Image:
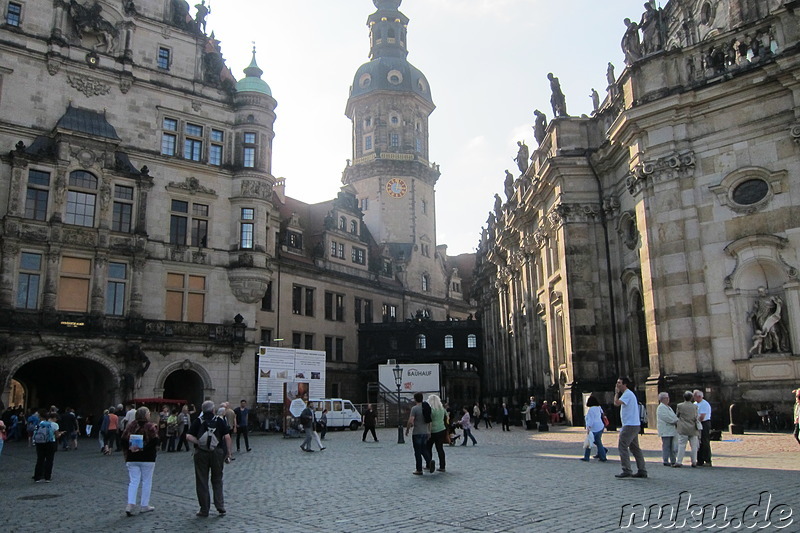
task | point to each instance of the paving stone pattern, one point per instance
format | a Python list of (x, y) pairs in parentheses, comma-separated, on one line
[(517, 481)]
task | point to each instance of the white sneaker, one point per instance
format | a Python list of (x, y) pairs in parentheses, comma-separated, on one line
[(147, 509)]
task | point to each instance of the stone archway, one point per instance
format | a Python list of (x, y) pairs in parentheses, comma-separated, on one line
[(87, 381), (187, 378)]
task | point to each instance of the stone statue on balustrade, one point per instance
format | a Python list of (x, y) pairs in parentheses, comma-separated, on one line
[(770, 333), (631, 44), (522, 156), (557, 100), (540, 126), (653, 31)]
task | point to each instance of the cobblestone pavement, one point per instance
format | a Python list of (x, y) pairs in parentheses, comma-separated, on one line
[(517, 481)]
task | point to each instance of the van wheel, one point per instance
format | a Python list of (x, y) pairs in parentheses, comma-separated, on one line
[(353, 426)]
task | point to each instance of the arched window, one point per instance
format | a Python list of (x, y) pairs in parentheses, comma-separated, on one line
[(472, 341), (353, 227), (81, 203), (425, 283), (448, 341), (342, 223), (422, 342)]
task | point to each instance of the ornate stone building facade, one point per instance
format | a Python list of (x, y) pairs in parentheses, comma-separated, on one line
[(146, 249), (659, 238)]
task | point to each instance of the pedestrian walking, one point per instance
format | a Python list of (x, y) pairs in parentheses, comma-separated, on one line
[(419, 436), (307, 421), (184, 421), (45, 438), (667, 425), (476, 415), (466, 427), (242, 417), (704, 415), (594, 429), (207, 433), (140, 446), (368, 419), (323, 424), (486, 418), (438, 429), (687, 428), (629, 432), (172, 429)]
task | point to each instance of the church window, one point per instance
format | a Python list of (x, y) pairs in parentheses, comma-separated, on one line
[(215, 148), (246, 231), (192, 142), (14, 14), (122, 214), (249, 152), (368, 142), (395, 120), (448, 341), (28, 281), (422, 342), (81, 203), (358, 255), (418, 144), (750, 192), (394, 140), (37, 195), (169, 141), (164, 57), (115, 288), (425, 283), (368, 122)]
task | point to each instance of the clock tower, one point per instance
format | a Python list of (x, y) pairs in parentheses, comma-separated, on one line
[(389, 105)]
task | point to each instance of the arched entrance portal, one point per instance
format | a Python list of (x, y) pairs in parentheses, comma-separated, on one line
[(184, 385), (83, 384)]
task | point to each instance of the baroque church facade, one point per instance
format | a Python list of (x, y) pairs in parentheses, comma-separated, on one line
[(146, 248), (658, 238)]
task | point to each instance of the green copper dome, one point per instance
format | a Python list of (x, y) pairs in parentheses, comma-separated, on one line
[(252, 82)]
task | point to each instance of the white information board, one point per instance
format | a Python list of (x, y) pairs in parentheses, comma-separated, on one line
[(416, 378), (277, 366)]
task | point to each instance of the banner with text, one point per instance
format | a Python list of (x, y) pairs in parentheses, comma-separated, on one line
[(277, 366)]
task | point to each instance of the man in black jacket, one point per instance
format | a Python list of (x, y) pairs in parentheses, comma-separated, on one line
[(209, 456)]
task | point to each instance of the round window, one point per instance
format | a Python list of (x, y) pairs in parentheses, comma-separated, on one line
[(395, 77), (750, 192), (365, 81)]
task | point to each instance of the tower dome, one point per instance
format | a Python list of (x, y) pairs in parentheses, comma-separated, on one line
[(252, 81)]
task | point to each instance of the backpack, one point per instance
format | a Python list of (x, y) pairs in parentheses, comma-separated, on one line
[(426, 412), (43, 432), (208, 435)]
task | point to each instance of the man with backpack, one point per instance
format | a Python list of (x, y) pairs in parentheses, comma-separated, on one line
[(211, 436), (44, 438)]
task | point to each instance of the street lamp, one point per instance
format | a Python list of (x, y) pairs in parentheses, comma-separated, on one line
[(398, 379)]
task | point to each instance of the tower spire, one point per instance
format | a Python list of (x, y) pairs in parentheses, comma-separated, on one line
[(387, 30)]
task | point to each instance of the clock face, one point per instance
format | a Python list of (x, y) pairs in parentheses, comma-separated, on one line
[(396, 188)]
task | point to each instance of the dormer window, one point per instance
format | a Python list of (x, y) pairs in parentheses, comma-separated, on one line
[(342, 223), (353, 227)]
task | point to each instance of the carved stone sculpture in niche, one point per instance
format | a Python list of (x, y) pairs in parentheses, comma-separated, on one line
[(88, 21), (770, 335)]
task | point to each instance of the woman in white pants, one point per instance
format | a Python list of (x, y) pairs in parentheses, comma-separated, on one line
[(687, 428), (140, 445)]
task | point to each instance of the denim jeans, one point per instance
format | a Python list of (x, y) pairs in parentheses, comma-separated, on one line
[(421, 450), (601, 450), (140, 472), (669, 449), (468, 433)]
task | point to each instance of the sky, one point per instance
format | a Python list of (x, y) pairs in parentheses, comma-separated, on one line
[(486, 61)]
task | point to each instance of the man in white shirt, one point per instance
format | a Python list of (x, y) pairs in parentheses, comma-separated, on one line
[(704, 415), (629, 432), (130, 416)]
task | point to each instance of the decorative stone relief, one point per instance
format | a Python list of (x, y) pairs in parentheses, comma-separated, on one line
[(191, 185), (248, 284), (88, 86), (255, 189), (669, 167), (795, 132), (68, 349)]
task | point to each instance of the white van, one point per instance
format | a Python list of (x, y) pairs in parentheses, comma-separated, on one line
[(341, 413)]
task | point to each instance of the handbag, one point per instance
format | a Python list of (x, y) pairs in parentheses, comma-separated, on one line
[(699, 425), (604, 418)]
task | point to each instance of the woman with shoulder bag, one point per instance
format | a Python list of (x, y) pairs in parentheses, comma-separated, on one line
[(594, 429), (140, 446), (438, 430)]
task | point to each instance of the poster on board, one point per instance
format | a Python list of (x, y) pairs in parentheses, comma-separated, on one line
[(422, 378), (277, 366)]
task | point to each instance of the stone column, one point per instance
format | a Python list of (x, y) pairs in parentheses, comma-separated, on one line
[(137, 275), (99, 278), (51, 279), (9, 258)]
